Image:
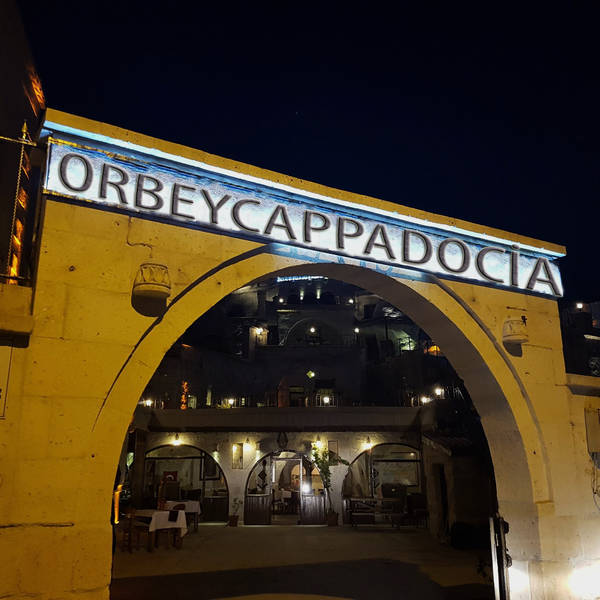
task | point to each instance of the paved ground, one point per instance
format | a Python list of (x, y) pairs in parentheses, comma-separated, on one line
[(301, 563)]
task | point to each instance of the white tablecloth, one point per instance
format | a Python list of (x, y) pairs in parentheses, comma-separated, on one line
[(160, 520), (191, 506)]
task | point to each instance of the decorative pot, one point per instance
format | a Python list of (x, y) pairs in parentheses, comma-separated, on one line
[(233, 520)]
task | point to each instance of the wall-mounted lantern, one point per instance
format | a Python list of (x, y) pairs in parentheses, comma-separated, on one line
[(151, 288), (514, 331)]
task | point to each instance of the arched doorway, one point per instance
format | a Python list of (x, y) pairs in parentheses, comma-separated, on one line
[(183, 472), (390, 472), (89, 354), (500, 396), (284, 488)]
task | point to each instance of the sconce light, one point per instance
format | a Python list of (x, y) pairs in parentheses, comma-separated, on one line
[(318, 444), (313, 330), (438, 392), (176, 441), (425, 399), (326, 399), (356, 330), (368, 444), (247, 445), (310, 374), (514, 331)]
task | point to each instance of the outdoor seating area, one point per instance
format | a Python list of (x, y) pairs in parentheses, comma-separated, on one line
[(410, 510), (170, 521)]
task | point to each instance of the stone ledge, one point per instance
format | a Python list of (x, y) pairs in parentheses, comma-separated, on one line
[(287, 419), (15, 311), (583, 385)]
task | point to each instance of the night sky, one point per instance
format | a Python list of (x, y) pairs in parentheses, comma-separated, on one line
[(491, 117)]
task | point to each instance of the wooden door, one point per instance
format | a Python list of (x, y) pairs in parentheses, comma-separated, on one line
[(312, 510), (257, 509)]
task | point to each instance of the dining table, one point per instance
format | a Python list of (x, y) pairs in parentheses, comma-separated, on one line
[(192, 508), (159, 520)]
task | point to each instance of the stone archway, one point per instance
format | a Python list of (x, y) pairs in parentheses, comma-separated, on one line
[(465, 320), (499, 395)]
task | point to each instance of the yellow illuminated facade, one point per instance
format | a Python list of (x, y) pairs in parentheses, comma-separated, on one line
[(73, 387)]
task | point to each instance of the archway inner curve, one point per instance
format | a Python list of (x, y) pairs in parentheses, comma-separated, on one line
[(465, 344)]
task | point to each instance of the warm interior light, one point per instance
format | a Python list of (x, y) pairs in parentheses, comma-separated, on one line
[(318, 444), (583, 581), (116, 499), (434, 349), (234, 448), (183, 399), (259, 330), (281, 300), (356, 330), (176, 441), (326, 399), (579, 305), (438, 391), (148, 402), (312, 330), (425, 400), (306, 488), (230, 401), (351, 301), (23, 197)]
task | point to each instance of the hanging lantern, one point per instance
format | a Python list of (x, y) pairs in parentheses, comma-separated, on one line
[(152, 281), (514, 331)]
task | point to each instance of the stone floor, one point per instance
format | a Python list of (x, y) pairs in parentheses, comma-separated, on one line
[(302, 563)]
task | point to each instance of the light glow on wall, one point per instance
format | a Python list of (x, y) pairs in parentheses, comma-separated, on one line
[(518, 578), (584, 582)]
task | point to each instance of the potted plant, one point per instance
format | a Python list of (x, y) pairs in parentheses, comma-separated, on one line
[(236, 504), (323, 462)]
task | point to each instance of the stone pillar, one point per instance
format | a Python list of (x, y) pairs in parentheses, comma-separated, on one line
[(137, 477)]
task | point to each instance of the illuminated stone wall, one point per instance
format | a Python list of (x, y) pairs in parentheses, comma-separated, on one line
[(73, 389)]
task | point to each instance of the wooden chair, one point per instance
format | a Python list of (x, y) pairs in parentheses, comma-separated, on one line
[(131, 529), (177, 538)]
